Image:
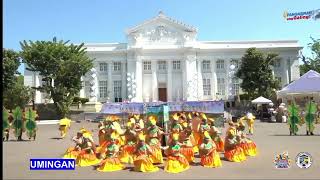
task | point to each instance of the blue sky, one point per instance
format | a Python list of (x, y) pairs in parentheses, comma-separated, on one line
[(106, 20)]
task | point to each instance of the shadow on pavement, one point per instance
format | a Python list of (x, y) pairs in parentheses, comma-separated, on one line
[(56, 138)]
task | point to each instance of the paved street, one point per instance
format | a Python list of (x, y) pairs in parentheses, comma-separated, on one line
[(270, 139)]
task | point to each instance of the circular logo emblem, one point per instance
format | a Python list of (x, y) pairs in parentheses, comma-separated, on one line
[(304, 160)]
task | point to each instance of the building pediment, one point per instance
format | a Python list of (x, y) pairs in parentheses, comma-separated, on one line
[(161, 30)]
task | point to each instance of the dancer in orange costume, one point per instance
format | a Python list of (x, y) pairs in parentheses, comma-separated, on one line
[(249, 147), (126, 155), (233, 152), (153, 135), (209, 156), (176, 161), (187, 139), (111, 161), (142, 160)]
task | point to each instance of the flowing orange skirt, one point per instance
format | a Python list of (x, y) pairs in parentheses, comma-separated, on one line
[(212, 160), (110, 164), (176, 164), (220, 145), (156, 156), (235, 155), (126, 155), (71, 153), (188, 152), (249, 148), (144, 164)]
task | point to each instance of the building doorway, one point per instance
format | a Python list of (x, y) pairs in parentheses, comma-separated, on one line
[(162, 92)]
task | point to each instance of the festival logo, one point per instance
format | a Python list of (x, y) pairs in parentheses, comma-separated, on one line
[(282, 161), (290, 16), (304, 160)]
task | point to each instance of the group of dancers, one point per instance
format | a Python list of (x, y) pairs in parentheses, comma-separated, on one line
[(139, 144)]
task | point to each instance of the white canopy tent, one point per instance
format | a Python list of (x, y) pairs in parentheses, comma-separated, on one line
[(261, 100), (306, 85)]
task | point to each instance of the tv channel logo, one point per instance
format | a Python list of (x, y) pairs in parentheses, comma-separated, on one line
[(304, 160), (282, 161), (52, 164)]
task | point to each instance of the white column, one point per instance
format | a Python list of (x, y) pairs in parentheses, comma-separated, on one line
[(214, 89), (110, 82), (36, 81), (191, 83), (169, 80), (123, 81), (184, 80), (82, 93), (138, 97), (155, 96), (200, 81), (228, 79)]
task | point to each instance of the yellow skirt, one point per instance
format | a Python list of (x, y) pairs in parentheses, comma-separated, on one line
[(63, 131), (188, 152), (249, 148), (211, 161), (110, 164), (156, 156), (235, 155), (176, 164), (144, 164), (126, 155), (71, 153), (87, 159)]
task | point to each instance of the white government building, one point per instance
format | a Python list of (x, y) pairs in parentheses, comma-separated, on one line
[(163, 61)]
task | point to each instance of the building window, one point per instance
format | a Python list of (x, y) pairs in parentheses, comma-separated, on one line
[(117, 91), (103, 67), (147, 65), (235, 62), (117, 66), (277, 64), (220, 64), (221, 86), (176, 65), (162, 65), (205, 65), (103, 90), (235, 86), (206, 87)]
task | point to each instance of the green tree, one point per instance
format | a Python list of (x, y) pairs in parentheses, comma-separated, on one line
[(256, 73), (10, 63), (17, 94), (61, 66), (311, 63)]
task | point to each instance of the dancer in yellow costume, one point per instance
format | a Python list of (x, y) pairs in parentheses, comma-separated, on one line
[(73, 152), (249, 118), (87, 156), (102, 133), (126, 154), (187, 139), (203, 127), (153, 135), (248, 146), (196, 121), (142, 161), (233, 152), (111, 161), (176, 162), (214, 134), (176, 127), (64, 125), (119, 132), (209, 156)]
